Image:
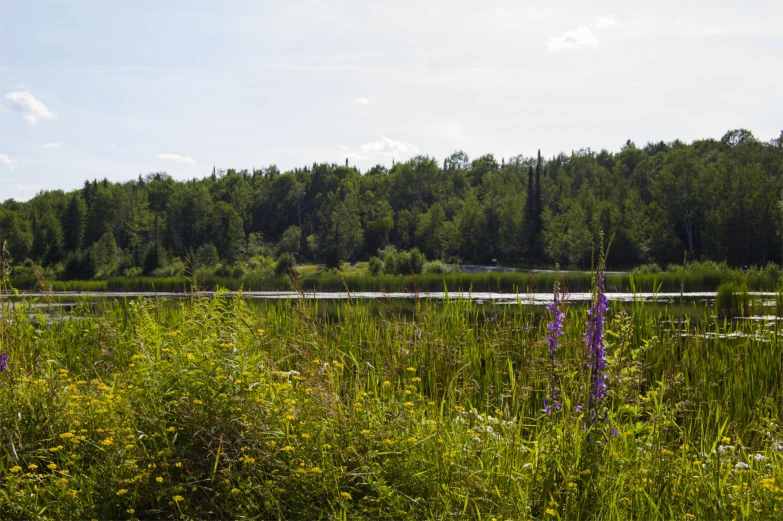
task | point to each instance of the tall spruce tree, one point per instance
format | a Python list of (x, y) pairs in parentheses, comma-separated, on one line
[(530, 217), (538, 221)]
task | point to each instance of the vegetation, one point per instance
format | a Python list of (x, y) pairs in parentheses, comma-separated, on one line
[(211, 410), (717, 200)]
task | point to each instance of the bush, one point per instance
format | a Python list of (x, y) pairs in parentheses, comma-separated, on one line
[(285, 263), (375, 266)]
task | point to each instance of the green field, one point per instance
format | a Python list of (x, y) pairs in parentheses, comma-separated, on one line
[(211, 409)]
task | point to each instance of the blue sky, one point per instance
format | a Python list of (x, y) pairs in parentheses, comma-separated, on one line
[(94, 89)]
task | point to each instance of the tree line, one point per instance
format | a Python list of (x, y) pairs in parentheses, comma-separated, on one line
[(716, 200)]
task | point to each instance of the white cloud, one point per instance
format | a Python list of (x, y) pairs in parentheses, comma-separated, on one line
[(7, 161), (177, 158), (579, 37), (114, 148), (32, 108), (361, 101), (605, 21), (385, 148), (52, 145)]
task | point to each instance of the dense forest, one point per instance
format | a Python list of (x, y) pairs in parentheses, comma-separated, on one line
[(716, 200)]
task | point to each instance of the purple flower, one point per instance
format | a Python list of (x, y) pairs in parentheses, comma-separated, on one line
[(3, 362), (596, 348), (555, 330), (578, 408)]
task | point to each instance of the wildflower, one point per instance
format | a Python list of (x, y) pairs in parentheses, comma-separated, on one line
[(107, 442), (411, 369), (235, 491), (316, 470), (3, 362), (16, 468), (66, 435), (287, 448), (346, 495), (130, 511), (326, 446), (197, 402), (51, 466), (725, 440), (32, 466), (555, 330), (408, 404), (178, 464), (159, 479), (550, 512), (595, 345), (306, 436), (178, 498), (387, 383), (121, 492)]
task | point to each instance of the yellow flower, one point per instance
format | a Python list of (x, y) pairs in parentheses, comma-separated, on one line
[(260, 331), (171, 429), (667, 452), (306, 436), (178, 498), (586, 472), (130, 511), (121, 491), (411, 369), (346, 495), (550, 512), (178, 464), (197, 402), (107, 442), (16, 468), (725, 440), (408, 404), (159, 479), (51, 466), (287, 448), (66, 435), (235, 491), (326, 446), (387, 383), (32, 466), (316, 470), (191, 357)]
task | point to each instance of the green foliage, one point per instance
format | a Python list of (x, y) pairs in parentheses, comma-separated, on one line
[(146, 409), (285, 264), (715, 199)]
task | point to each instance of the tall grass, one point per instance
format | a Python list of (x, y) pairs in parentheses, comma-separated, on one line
[(698, 278), (211, 409)]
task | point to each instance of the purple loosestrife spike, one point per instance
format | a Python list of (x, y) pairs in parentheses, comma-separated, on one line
[(555, 330), (3, 362), (596, 348)]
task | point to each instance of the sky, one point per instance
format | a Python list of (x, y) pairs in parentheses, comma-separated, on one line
[(113, 89)]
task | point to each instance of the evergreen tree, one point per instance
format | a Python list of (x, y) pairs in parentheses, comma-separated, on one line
[(73, 222)]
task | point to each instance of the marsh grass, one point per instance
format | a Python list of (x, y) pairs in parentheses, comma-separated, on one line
[(696, 278), (211, 410)]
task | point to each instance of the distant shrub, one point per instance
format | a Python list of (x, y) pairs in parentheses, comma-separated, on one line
[(375, 266), (647, 268), (285, 263), (438, 268)]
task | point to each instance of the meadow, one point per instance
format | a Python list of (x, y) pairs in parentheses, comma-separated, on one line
[(213, 409)]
